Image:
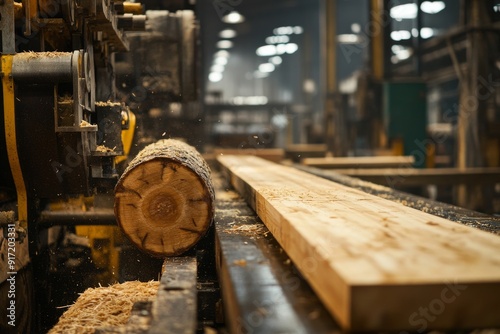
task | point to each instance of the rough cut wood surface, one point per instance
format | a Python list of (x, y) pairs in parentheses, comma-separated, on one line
[(360, 162), (164, 199), (375, 264), (409, 177)]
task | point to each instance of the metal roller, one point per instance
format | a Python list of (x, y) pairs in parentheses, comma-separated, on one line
[(42, 67)]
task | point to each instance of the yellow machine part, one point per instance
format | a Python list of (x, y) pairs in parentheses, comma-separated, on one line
[(133, 8), (11, 139), (105, 241), (127, 138)]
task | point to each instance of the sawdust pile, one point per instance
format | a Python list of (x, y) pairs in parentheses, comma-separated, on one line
[(104, 307), (249, 230)]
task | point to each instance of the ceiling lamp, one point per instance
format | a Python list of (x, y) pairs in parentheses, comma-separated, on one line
[(266, 51), (222, 53), (227, 33), (217, 68), (224, 44), (276, 60), (233, 18), (266, 68), (220, 61), (432, 7), (406, 11), (215, 77)]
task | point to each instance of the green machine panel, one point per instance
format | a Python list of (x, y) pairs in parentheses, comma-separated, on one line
[(405, 116)]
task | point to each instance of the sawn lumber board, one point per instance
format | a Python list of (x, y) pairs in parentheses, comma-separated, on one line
[(375, 264)]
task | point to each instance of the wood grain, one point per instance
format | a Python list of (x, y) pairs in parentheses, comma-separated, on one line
[(164, 199), (360, 162), (409, 177), (375, 264)]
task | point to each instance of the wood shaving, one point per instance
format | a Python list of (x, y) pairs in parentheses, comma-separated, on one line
[(253, 230), (102, 148), (64, 99), (241, 263), (107, 104), (85, 124), (104, 306), (34, 55)]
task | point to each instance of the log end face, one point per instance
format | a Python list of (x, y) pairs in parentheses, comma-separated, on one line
[(163, 206)]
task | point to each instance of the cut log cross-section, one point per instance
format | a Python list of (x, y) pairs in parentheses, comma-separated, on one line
[(164, 199)]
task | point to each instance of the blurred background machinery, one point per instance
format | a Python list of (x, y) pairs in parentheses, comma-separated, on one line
[(400, 93), (74, 105)]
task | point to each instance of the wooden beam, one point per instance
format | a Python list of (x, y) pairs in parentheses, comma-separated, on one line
[(375, 264), (271, 154), (360, 162), (457, 214), (174, 310), (262, 292), (410, 177), (297, 152)]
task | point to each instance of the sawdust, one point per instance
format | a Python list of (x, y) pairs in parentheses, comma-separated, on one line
[(241, 263), (64, 99), (227, 195), (104, 306), (107, 104), (102, 148), (85, 124), (251, 230), (34, 55)]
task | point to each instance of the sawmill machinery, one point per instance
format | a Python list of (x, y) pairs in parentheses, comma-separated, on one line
[(78, 80)]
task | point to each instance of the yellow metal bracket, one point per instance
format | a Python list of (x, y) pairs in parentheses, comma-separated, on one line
[(127, 138), (9, 114)]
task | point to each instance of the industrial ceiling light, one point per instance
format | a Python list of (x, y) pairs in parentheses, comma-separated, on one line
[(217, 68), (349, 39), (228, 33), (233, 18), (220, 61), (224, 44), (277, 39), (260, 75), (280, 49), (291, 48), (266, 68), (406, 11), (222, 53), (400, 35), (426, 32), (276, 60), (297, 30), (215, 77), (432, 7), (266, 51)]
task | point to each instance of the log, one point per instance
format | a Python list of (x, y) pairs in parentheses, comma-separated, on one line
[(375, 264), (164, 199)]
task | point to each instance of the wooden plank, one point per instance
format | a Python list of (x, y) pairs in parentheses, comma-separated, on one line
[(410, 177), (174, 310), (375, 264), (262, 291), (271, 154), (297, 152), (360, 162), (457, 214)]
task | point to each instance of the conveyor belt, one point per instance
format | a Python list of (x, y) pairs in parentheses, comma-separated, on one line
[(262, 291)]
